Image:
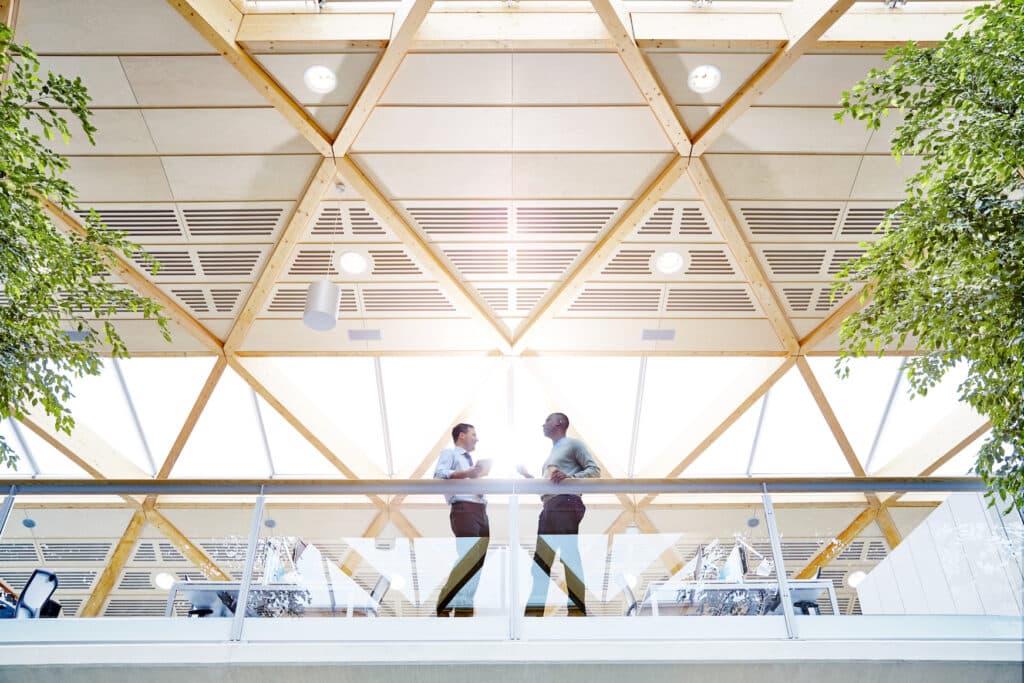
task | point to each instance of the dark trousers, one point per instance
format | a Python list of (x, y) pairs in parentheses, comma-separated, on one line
[(472, 534), (557, 530)]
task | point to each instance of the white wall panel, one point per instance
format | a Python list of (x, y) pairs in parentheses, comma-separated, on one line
[(928, 566)]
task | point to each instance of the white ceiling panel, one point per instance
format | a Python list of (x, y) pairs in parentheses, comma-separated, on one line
[(682, 189), (451, 334), (762, 176), (119, 131), (118, 179), (328, 118), (223, 131), (107, 27), (819, 79), (778, 129), (587, 78), (239, 178), (695, 117), (605, 129), (673, 68), (350, 68), (585, 176), (881, 139), (477, 78), (189, 82), (882, 177), (428, 129), (448, 176), (103, 76), (739, 335)]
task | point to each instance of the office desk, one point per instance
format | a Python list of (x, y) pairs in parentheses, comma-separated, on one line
[(220, 597), (730, 597)]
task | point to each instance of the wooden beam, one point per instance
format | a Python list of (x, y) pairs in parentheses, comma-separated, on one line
[(518, 30), (122, 552), (805, 22), (644, 77), (193, 417), (565, 292), (313, 33), (9, 13), (728, 225), (322, 179), (419, 249), (724, 425), (830, 417), (187, 548), (218, 21), (854, 302), (130, 273), (385, 70), (838, 544), (888, 526), (83, 447)]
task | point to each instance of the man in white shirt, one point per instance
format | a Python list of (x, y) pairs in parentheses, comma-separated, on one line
[(469, 523)]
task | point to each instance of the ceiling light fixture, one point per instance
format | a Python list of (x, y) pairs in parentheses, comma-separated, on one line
[(352, 263), (854, 579), (704, 78), (322, 300), (320, 79), (164, 581), (669, 262), (893, 4)]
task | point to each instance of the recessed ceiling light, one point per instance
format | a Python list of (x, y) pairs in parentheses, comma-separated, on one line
[(352, 263), (320, 79), (704, 78), (669, 262), (854, 579), (164, 581)]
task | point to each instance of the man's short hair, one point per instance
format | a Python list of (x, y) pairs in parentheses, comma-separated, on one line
[(460, 428), (563, 418)]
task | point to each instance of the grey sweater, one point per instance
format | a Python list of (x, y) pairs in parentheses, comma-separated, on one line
[(572, 457)]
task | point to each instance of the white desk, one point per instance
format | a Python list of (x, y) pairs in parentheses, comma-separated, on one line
[(220, 597), (716, 597)]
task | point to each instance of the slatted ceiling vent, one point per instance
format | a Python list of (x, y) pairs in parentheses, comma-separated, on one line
[(193, 298), (840, 257), (18, 552), (140, 224), (135, 581), (850, 552), (144, 552), (790, 220), (554, 220), (687, 221), (314, 262), (495, 297), (16, 579), (798, 298), (238, 262), (636, 262), (697, 300), (393, 262), (709, 262), (860, 221), (461, 220), (825, 301), (170, 554), (795, 261), (610, 299), (527, 298), (224, 300), (384, 300), (122, 607), (479, 261), (176, 263), (74, 552), (363, 223), (76, 581), (544, 261), (240, 222)]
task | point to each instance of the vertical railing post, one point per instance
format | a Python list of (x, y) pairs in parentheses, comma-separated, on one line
[(780, 567), (250, 560), (513, 567), (6, 507)]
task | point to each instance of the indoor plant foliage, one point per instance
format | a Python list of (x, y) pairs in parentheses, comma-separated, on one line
[(948, 272), (51, 281)]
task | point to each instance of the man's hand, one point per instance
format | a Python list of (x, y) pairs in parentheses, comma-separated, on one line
[(558, 475), (521, 469), (472, 473)]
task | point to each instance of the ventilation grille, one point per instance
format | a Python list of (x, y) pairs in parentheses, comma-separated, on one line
[(193, 298), (76, 581), (145, 552), (479, 261), (18, 552), (799, 221), (224, 299), (635, 262), (364, 224), (795, 261), (876, 551), (461, 221), (329, 222), (798, 298), (851, 552), (709, 262), (840, 257), (313, 262), (293, 300), (554, 220), (811, 298), (393, 262), (380, 300), (544, 261), (825, 301), (682, 221), (625, 300), (336, 220), (860, 221), (121, 607), (726, 299), (239, 263), (495, 297), (172, 263), (241, 222), (527, 298), (74, 552), (140, 224), (180, 263), (170, 554), (133, 581)]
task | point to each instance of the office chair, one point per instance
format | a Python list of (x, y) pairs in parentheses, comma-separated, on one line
[(34, 596), (380, 589), (632, 608)]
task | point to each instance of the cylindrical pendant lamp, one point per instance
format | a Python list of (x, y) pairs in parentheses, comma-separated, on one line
[(322, 299)]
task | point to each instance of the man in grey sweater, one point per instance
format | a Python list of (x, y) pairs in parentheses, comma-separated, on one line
[(559, 523)]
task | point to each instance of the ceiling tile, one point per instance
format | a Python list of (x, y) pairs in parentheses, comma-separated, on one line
[(585, 176), (118, 179), (239, 178), (223, 131), (763, 176), (596, 78), (350, 68), (102, 76), (189, 82), (441, 176), (476, 78), (118, 131), (819, 79), (610, 129), (673, 68), (418, 129), (882, 177), (778, 129)]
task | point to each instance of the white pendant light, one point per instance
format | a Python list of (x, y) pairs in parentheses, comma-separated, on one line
[(322, 299)]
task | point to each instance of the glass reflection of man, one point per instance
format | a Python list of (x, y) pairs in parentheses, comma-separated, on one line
[(559, 523), (469, 523)]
